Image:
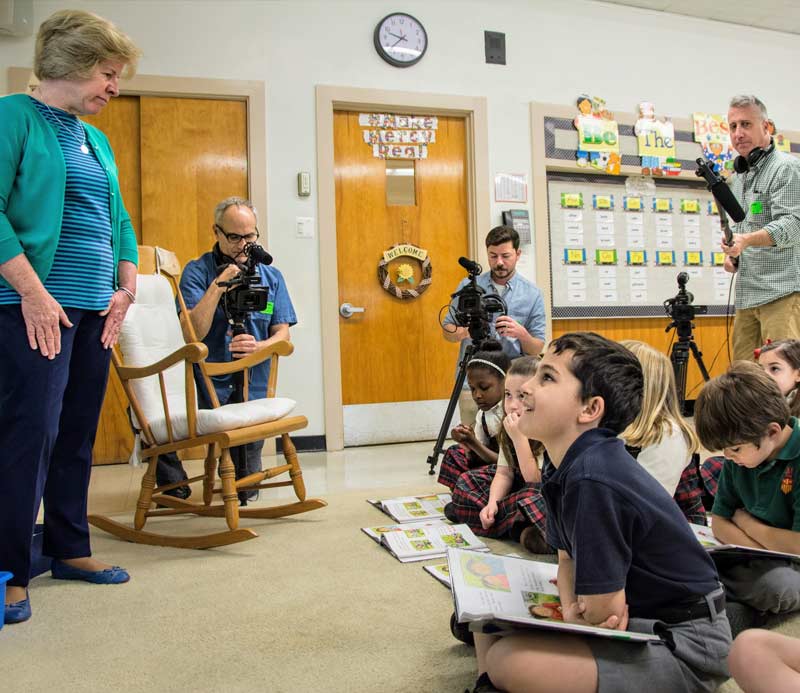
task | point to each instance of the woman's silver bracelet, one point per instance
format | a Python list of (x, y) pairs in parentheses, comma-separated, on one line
[(128, 293)]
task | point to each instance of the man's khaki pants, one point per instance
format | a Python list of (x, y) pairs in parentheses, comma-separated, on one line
[(752, 327)]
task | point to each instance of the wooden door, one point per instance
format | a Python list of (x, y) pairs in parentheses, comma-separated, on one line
[(394, 351), (177, 159)]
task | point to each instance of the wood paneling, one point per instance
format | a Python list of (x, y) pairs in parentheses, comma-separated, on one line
[(177, 158), (710, 334), (395, 352), (194, 154)]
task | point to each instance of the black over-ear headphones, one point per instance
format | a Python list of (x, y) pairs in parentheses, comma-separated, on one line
[(742, 164)]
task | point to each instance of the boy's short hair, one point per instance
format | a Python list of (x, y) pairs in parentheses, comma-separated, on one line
[(738, 407), (502, 234), (605, 369)]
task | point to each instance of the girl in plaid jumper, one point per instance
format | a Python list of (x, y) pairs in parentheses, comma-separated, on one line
[(503, 499), (486, 372)]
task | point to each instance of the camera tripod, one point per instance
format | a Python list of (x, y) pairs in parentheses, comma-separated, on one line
[(679, 357), (451, 406)]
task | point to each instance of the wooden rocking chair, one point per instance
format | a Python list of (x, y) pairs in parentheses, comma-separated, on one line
[(155, 365)]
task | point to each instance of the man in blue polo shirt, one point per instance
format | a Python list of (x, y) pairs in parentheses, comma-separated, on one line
[(235, 225), (522, 330)]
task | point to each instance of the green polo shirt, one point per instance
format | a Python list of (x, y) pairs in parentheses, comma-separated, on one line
[(761, 491)]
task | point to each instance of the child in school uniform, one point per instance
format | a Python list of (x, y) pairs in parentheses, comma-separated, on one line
[(504, 499), (660, 439), (627, 559), (486, 373), (744, 414), (781, 360)]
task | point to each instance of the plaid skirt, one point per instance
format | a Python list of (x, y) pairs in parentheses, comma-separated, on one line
[(523, 505), (455, 462), (689, 496)]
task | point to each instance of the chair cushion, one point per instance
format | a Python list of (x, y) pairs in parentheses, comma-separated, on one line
[(224, 418)]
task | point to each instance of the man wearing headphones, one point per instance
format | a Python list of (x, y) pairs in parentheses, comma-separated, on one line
[(767, 242)]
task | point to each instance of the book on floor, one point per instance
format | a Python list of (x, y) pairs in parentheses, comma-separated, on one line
[(414, 508), (716, 548), (377, 531), (440, 572), (421, 543), (500, 595)]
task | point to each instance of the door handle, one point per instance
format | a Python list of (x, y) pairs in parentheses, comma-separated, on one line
[(347, 310)]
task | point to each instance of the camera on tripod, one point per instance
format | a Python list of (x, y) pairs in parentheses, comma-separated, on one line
[(681, 309), (682, 312), (244, 293), (475, 307)]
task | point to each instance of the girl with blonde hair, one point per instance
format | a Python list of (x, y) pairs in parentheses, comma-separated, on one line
[(666, 442)]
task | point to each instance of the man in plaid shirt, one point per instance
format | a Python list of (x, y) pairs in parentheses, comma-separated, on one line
[(767, 242)]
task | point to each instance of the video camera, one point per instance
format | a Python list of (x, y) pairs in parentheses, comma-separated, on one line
[(681, 310), (244, 293), (475, 307)]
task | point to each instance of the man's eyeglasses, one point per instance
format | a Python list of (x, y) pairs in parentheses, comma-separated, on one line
[(235, 237)]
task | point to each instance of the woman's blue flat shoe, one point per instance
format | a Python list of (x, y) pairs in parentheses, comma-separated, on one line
[(18, 611), (110, 576)]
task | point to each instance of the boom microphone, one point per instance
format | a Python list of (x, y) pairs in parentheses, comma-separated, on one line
[(721, 192), (470, 265)]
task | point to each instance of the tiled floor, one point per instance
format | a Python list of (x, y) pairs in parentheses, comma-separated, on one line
[(115, 488)]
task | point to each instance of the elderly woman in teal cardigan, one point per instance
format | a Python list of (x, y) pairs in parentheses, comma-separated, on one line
[(68, 259)]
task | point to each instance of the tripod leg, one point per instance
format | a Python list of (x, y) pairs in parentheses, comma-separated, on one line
[(680, 360), (451, 407), (698, 357)]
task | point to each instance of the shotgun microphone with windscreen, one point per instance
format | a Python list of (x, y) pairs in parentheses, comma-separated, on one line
[(719, 189)]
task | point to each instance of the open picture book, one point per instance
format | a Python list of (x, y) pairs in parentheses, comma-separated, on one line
[(414, 508), (716, 548), (501, 594), (439, 572), (422, 542), (376, 532)]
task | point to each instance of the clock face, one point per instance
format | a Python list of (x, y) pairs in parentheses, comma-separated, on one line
[(400, 39)]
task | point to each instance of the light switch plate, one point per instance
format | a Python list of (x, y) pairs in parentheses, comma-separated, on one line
[(305, 227)]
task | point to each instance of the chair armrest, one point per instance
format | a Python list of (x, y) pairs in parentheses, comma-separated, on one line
[(281, 348), (194, 352)]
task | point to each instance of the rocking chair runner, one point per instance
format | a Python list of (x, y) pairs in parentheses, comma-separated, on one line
[(155, 365)]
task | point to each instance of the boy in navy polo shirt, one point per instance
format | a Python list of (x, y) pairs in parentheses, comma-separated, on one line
[(743, 413), (627, 559)]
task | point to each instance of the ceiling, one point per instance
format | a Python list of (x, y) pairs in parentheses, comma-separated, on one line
[(776, 15)]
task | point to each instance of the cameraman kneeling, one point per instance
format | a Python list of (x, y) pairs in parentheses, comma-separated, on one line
[(235, 225)]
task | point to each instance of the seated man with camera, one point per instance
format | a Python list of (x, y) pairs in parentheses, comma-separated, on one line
[(522, 329), (237, 304)]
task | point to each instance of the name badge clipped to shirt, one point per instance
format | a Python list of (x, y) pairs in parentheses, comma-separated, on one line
[(269, 309), (756, 207)]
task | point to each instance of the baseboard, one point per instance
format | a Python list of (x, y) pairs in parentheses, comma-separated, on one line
[(304, 443)]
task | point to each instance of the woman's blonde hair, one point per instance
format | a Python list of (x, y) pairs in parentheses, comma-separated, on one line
[(659, 412), (70, 43)]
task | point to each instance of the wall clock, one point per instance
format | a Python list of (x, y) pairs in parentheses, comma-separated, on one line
[(400, 39)]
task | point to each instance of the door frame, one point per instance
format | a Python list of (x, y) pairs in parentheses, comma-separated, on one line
[(331, 98), (253, 93)]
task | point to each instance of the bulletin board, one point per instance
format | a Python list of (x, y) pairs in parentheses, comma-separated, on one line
[(589, 257), (615, 254)]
